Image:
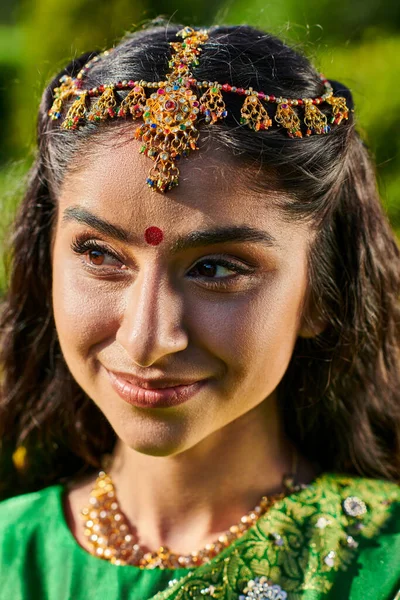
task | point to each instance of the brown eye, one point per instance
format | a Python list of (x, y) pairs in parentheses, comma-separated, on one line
[(207, 269), (218, 269), (96, 257)]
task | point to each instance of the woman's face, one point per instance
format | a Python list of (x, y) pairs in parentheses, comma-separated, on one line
[(223, 308)]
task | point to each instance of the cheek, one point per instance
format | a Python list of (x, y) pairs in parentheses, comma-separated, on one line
[(255, 335), (81, 304)]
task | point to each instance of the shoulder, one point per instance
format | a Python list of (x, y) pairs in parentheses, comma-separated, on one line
[(36, 545), (38, 513), (26, 521), (355, 494), (359, 507), (28, 510), (368, 485), (339, 534)]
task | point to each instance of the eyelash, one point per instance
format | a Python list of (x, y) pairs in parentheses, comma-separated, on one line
[(82, 246)]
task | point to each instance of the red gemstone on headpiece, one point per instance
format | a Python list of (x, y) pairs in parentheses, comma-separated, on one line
[(226, 87), (272, 98), (240, 91), (170, 105), (261, 95), (153, 236)]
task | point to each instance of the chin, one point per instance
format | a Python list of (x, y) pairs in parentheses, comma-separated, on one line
[(161, 438)]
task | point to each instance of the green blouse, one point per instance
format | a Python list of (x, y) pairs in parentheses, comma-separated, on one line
[(336, 539)]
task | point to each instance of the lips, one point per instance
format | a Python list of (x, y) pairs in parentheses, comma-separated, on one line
[(153, 397), (152, 384)]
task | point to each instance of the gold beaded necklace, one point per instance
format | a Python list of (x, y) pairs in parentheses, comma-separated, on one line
[(111, 538)]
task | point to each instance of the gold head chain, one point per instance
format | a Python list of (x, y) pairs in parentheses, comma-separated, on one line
[(172, 111)]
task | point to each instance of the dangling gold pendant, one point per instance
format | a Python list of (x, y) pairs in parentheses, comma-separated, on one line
[(254, 114), (339, 109), (314, 119), (76, 112), (134, 103), (104, 107), (286, 117), (61, 95), (212, 105)]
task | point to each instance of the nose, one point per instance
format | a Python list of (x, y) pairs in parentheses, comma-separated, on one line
[(152, 324)]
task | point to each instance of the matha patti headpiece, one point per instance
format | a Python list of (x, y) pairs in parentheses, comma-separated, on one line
[(172, 112)]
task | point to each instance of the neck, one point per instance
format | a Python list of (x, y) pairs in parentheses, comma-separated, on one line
[(187, 500)]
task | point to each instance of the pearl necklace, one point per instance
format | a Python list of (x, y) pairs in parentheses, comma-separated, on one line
[(110, 537)]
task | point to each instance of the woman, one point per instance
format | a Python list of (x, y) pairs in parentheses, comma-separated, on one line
[(200, 356)]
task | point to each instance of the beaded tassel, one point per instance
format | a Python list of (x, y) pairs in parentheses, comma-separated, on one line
[(286, 117), (314, 119), (212, 105), (134, 103), (105, 105), (254, 114), (76, 112), (164, 174), (163, 149)]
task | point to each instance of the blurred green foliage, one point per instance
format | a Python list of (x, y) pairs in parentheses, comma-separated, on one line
[(357, 44)]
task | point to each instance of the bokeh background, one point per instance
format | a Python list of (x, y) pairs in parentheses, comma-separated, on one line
[(357, 43)]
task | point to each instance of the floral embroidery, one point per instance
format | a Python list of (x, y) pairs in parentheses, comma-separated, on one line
[(299, 545)]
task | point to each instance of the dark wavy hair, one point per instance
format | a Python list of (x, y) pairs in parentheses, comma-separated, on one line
[(340, 396)]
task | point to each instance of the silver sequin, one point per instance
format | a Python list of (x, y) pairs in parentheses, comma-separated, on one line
[(278, 539), (260, 589), (351, 542), (329, 559), (322, 523), (354, 506)]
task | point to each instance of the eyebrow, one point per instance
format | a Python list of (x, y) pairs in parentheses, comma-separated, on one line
[(194, 239)]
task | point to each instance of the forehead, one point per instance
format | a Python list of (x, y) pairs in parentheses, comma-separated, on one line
[(213, 188)]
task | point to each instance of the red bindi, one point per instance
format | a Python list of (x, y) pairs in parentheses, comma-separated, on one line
[(153, 236)]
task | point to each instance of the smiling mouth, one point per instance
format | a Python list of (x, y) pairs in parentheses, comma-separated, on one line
[(153, 384), (154, 397)]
